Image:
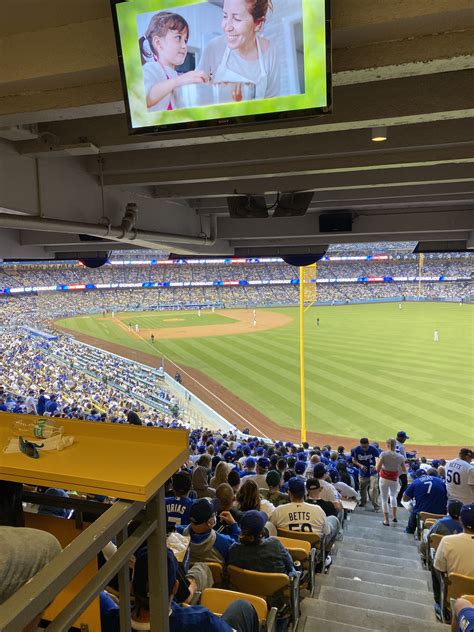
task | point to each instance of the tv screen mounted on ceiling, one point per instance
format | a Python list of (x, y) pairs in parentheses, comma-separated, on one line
[(197, 63)]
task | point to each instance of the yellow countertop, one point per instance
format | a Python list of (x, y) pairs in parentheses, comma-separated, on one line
[(123, 461)]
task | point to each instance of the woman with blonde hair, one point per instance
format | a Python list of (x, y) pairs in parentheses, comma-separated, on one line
[(220, 475), (389, 466)]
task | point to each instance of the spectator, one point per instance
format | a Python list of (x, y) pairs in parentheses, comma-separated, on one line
[(455, 553), (273, 493), (428, 492), (262, 468), (249, 469), (23, 553), (314, 490), (207, 545), (400, 449), (133, 418), (30, 404), (200, 478), (460, 477), (364, 457), (233, 479), (51, 405), (449, 525), (239, 616), (328, 492), (463, 616), (178, 507), (248, 498), (41, 403), (299, 515), (220, 474), (224, 502), (390, 465), (255, 552)]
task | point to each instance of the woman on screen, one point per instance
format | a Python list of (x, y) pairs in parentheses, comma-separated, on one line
[(241, 54), (163, 47)]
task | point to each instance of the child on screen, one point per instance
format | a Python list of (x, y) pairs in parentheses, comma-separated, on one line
[(163, 47)]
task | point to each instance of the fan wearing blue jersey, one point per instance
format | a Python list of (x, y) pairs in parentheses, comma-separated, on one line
[(178, 507), (364, 457), (463, 616), (429, 494)]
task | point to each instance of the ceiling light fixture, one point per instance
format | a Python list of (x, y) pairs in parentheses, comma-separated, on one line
[(379, 134)]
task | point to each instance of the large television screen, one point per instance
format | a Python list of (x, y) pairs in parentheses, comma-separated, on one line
[(189, 63)]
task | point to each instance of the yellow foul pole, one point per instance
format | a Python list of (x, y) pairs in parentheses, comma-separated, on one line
[(302, 392), (420, 271)]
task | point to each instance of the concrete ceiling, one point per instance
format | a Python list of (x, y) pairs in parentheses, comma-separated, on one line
[(406, 65)]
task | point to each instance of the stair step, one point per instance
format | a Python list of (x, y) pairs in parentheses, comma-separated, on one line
[(388, 535), (368, 619), (386, 569), (379, 578), (378, 548), (349, 554), (310, 624), (363, 587), (390, 605), (408, 546)]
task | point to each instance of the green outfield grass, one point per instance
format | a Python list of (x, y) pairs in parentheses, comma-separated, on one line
[(370, 369)]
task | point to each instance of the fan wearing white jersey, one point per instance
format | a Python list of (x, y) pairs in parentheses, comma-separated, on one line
[(460, 477), (298, 515)]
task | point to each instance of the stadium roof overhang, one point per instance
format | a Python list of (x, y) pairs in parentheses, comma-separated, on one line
[(66, 154)]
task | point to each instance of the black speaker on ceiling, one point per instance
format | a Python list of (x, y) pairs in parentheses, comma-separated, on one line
[(335, 222), (247, 206), (293, 204)]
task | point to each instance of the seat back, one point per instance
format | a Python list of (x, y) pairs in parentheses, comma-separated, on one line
[(298, 549), (434, 541), (306, 536), (425, 515), (459, 585), (218, 600), (261, 584)]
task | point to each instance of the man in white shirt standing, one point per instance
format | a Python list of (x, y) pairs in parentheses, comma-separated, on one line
[(460, 477), (30, 404)]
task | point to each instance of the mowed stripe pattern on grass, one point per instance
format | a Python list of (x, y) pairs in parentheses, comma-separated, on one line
[(370, 369)]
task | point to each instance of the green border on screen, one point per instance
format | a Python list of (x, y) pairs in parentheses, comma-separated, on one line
[(317, 69)]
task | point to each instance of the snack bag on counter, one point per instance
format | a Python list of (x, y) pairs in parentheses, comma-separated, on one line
[(29, 437)]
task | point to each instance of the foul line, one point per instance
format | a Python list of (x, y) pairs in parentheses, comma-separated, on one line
[(203, 386)]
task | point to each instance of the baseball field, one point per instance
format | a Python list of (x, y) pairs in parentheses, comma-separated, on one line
[(370, 369)]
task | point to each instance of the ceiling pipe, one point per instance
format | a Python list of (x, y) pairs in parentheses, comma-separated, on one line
[(126, 232)]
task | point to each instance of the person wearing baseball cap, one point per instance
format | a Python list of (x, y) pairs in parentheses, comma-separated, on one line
[(263, 465), (365, 457), (449, 525), (255, 551), (206, 544), (455, 553), (240, 616), (249, 470), (400, 449), (298, 515)]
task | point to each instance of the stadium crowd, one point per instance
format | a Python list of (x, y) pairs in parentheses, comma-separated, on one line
[(31, 275), (236, 494), (64, 378)]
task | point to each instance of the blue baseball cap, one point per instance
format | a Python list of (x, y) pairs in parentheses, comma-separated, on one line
[(319, 470), (300, 467), (402, 435), (250, 461), (467, 516), (296, 486), (253, 521), (260, 451), (228, 455), (263, 462), (201, 511)]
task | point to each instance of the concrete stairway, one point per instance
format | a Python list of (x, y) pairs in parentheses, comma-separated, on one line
[(376, 582)]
